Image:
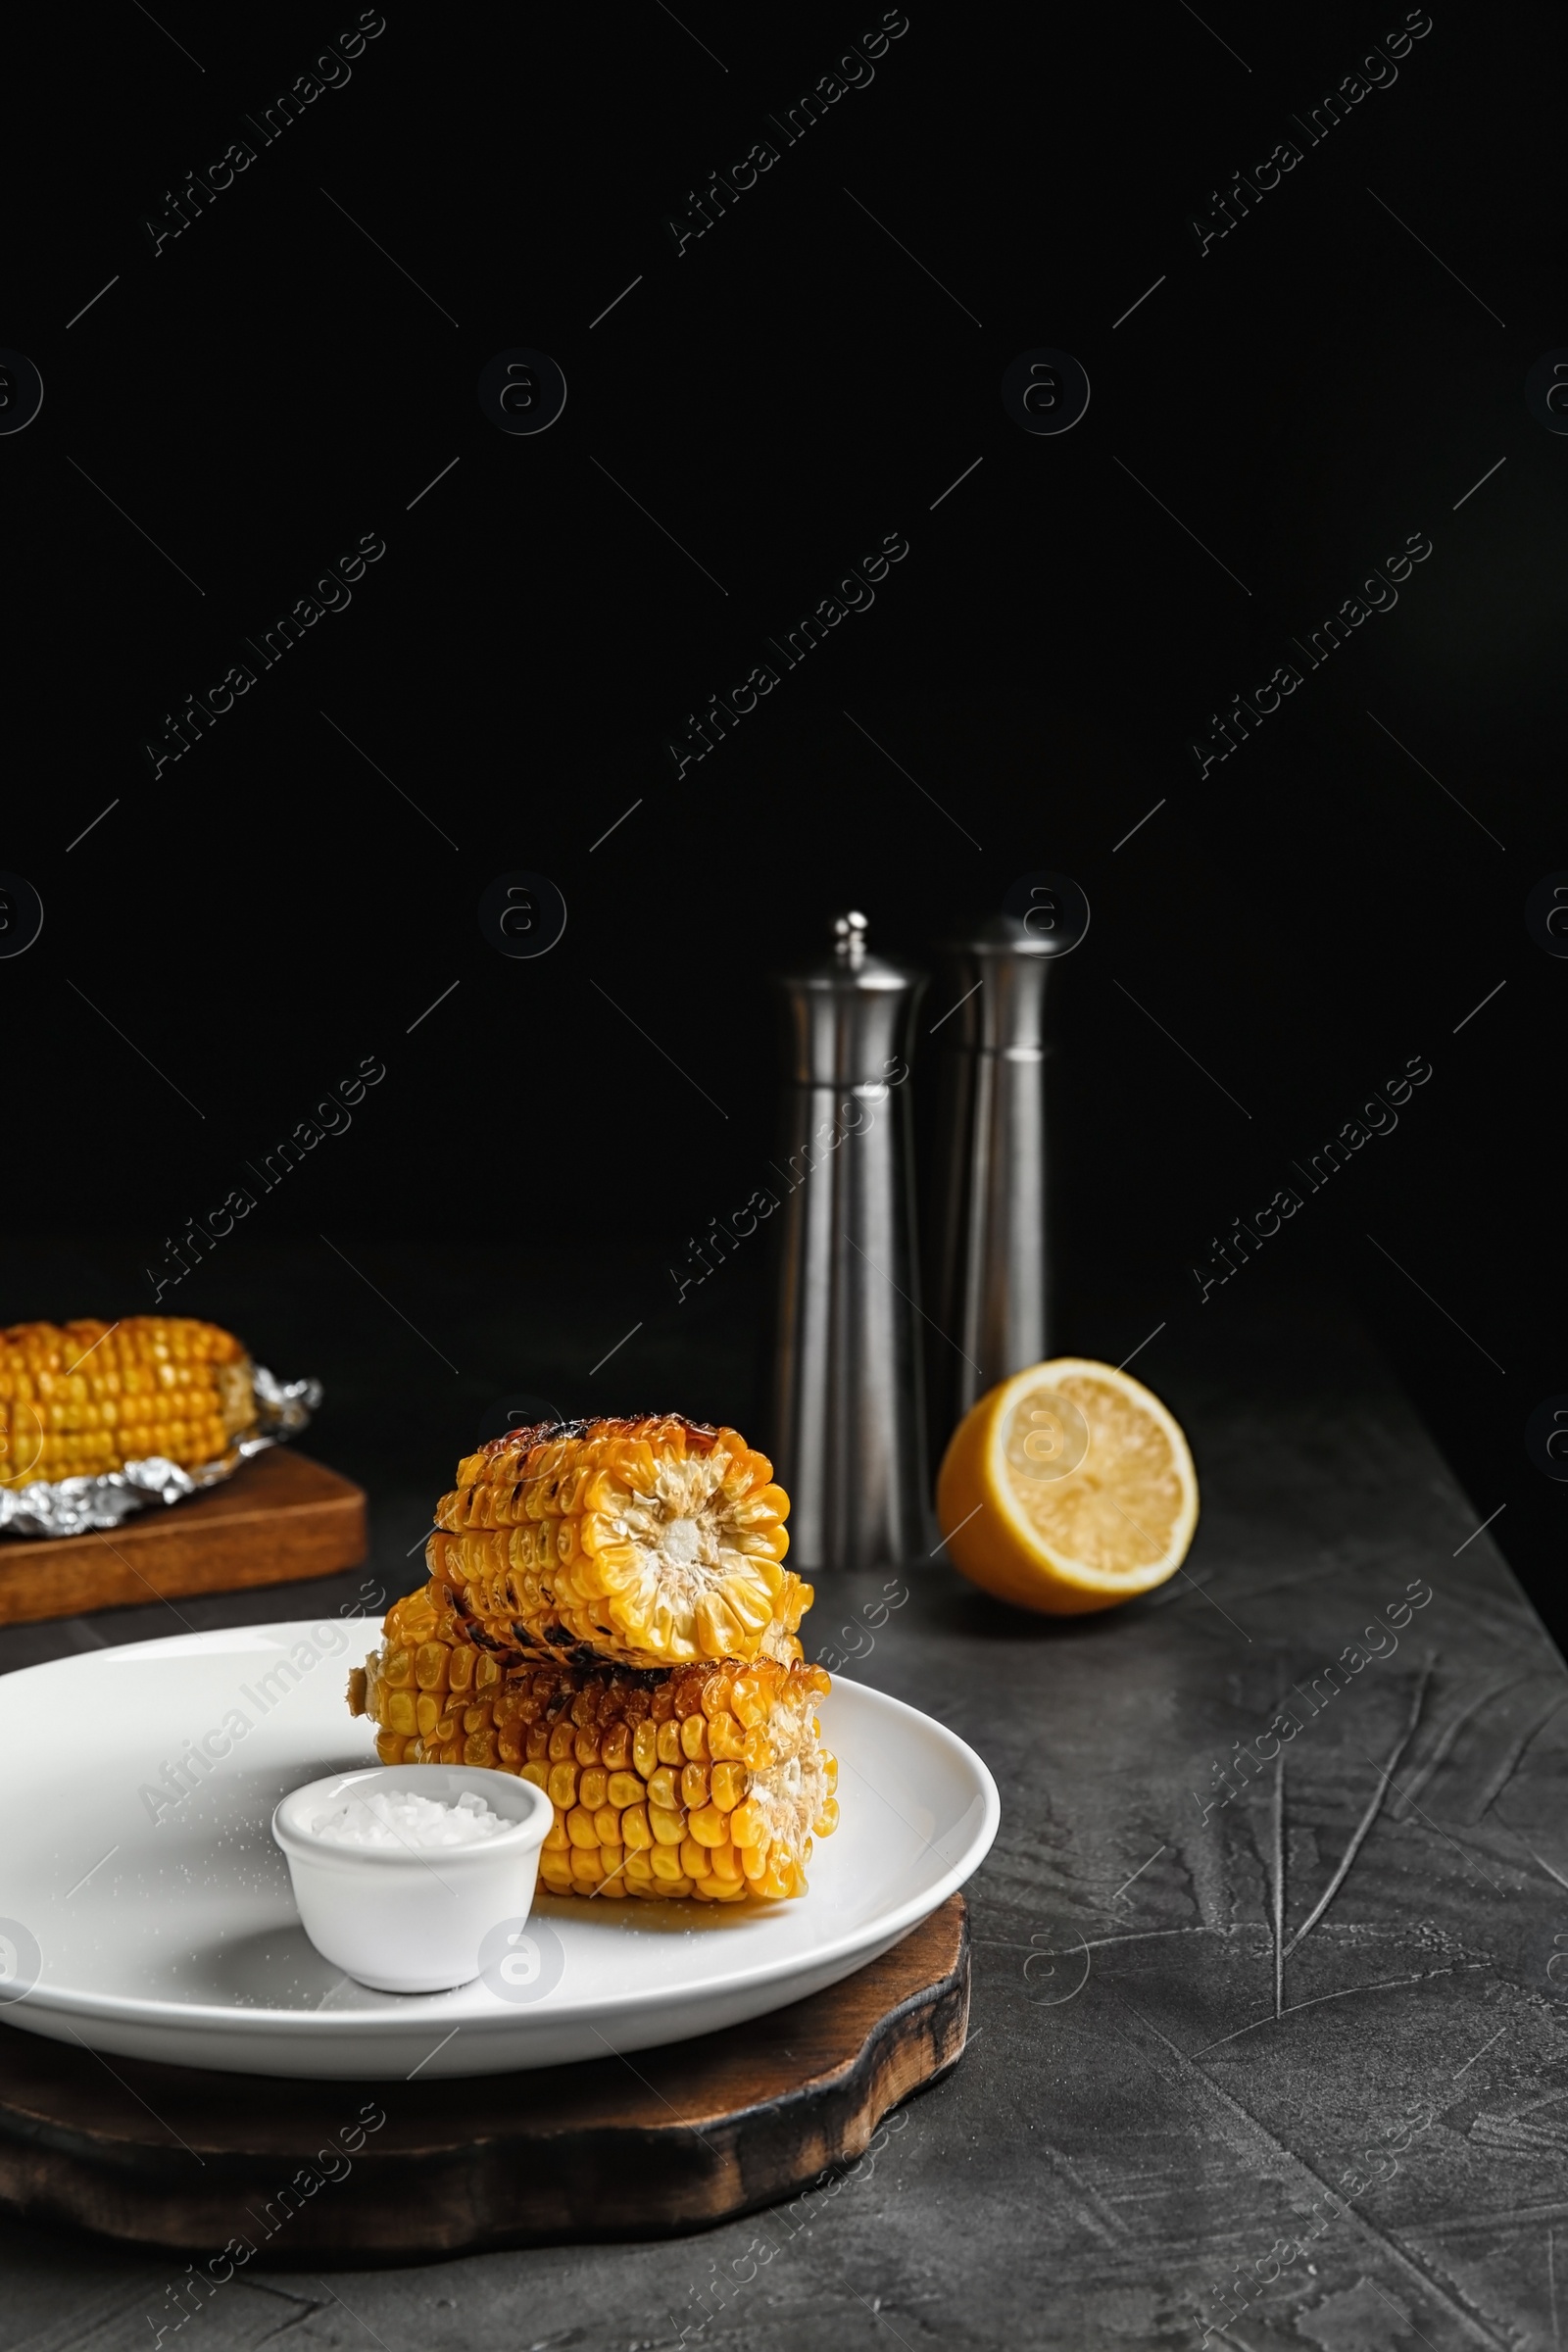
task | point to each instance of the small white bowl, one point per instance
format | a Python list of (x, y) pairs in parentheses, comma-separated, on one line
[(413, 1920)]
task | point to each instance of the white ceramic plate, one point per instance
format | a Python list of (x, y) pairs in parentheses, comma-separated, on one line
[(166, 1930)]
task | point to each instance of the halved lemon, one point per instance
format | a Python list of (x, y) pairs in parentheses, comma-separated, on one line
[(1067, 1488)]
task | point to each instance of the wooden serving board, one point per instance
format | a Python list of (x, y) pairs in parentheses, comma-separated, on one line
[(280, 1518), (650, 2146)]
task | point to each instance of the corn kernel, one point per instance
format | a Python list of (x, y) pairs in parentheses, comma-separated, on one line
[(694, 1739), (694, 1785), (593, 1787), (693, 1858), (669, 1747), (665, 1864), (727, 1786), (580, 1828), (662, 1790), (634, 1826), (563, 1785), (724, 1862), (606, 1825), (645, 1748), (725, 1737), (709, 1827), (668, 1828), (625, 1789)]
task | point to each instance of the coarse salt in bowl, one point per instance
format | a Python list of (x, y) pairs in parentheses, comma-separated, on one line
[(399, 1871), (389, 1818)]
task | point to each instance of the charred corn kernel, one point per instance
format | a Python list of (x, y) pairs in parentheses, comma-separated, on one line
[(712, 1830), (653, 1543), (79, 1399)]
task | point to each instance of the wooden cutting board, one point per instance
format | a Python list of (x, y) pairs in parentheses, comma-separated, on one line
[(650, 2145), (281, 1517)]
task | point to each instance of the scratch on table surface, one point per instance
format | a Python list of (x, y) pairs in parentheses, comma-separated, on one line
[(1509, 2126), (1362, 1828), (1382, 1986), (1277, 1880), (1452, 2299), (1551, 2280), (1551, 1867), (1514, 1757), (1446, 1740)]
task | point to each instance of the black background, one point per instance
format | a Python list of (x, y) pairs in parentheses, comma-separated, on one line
[(787, 391)]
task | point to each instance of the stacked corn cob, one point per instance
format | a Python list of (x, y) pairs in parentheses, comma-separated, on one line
[(608, 1616), (78, 1400)]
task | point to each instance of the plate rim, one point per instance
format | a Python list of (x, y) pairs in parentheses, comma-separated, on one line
[(262, 2024)]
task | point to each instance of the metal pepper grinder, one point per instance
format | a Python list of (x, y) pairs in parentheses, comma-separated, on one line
[(990, 1241), (848, 1424)]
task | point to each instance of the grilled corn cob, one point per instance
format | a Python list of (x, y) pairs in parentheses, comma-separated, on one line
[(80, 1398), (708, 1780), (655, 1541)]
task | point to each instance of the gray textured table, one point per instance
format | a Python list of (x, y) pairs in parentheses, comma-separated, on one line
[(1290, 2066)]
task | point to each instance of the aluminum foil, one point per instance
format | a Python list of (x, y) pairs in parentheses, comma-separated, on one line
[(74, 1506)]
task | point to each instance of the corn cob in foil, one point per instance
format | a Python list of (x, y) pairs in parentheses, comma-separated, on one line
[(708, 1780), (83, 1399)]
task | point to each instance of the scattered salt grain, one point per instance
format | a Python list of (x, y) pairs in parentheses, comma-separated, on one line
[(397, 1818)]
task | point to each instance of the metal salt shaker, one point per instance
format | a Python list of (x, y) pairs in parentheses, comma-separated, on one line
[(848, 1426), (989, 1239)]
